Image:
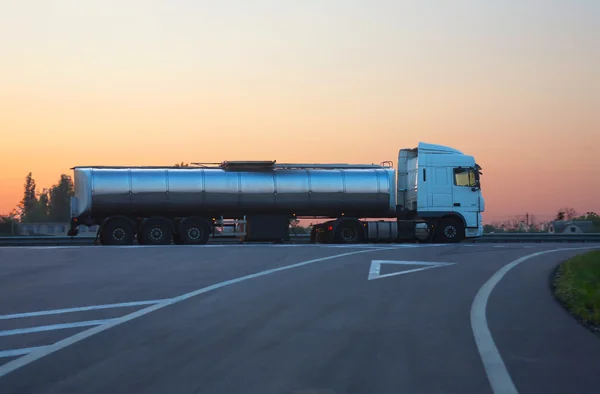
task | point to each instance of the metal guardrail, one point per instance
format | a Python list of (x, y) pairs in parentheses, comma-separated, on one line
[(486, 238), (537, 237)]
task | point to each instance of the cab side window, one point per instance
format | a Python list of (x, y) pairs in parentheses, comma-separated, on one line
[(464, 177)]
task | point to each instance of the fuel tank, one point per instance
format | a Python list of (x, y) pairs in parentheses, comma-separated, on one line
[(171, 191)]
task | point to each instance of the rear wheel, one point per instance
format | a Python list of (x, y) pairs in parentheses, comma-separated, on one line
[(155, 231), (117, 231), (348, 233), (193, 231)]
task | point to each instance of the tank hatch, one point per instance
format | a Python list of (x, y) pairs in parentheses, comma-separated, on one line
[(235, 165)]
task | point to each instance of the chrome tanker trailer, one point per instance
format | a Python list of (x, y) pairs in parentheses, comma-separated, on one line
[(434, 195)]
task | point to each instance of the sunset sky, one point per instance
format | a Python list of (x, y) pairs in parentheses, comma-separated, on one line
[(132, 82)]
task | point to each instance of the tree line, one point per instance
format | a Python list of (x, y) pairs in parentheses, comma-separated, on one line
[(51, 205)]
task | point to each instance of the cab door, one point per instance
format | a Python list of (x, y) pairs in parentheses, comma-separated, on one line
[(465, 194), (440, 189)]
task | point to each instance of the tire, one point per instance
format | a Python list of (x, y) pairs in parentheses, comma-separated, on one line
[(155, 231), (348, 233), (193, 231), (450, 231), (117, 231)]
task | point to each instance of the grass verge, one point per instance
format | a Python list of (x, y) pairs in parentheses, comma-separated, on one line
[(576, 285)]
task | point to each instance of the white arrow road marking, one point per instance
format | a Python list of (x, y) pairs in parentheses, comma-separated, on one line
[(374, 272)]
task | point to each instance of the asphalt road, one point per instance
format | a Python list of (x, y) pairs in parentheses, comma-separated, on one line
[(298, 319)]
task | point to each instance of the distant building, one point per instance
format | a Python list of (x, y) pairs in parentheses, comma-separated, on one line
[(570, 227)]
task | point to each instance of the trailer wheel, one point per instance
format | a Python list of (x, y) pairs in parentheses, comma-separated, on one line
[(155, 231), (450, 231), (117, 231), (193, 231), (348, 233)]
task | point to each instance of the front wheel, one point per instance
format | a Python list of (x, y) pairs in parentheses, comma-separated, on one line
[(450, 231)]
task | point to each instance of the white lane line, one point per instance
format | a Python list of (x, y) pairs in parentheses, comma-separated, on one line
[(52, 327), (19, 352), (78, 309), (493, 364), (37, 354)]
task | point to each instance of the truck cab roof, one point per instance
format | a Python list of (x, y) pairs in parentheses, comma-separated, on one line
[(433, 148)]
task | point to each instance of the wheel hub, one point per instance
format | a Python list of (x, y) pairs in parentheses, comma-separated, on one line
[(118, 234), (450, 232), (194, 233), (156, 234)]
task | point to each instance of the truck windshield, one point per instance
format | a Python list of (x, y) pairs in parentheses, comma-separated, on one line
[(467, 177)]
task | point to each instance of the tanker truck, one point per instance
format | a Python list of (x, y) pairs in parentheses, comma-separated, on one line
[(434, 195)]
